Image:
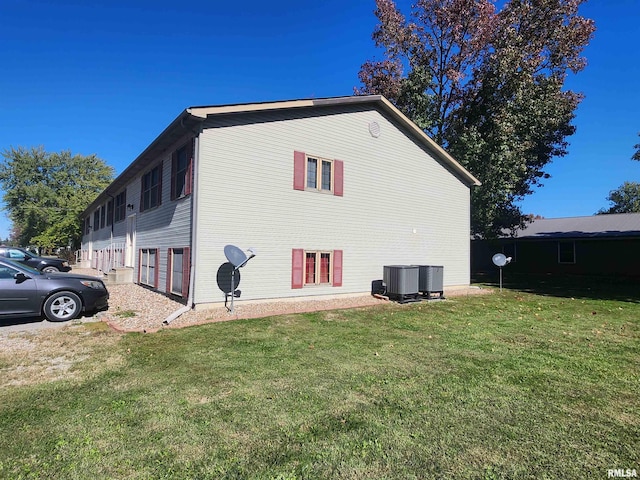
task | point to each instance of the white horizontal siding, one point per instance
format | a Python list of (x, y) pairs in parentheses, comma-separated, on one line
[(399, 206)]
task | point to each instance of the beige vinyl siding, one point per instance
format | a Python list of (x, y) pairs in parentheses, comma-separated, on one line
[(400, 206)]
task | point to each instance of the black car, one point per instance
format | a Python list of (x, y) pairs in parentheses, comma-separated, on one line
[(27, 292), (44, 264)]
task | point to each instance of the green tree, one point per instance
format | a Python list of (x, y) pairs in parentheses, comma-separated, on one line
[(625, 199), (486, 85), (44, 193)]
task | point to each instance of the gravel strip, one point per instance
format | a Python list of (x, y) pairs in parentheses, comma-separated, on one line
[(133, 308)]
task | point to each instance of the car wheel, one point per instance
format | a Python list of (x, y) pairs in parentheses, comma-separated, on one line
[(62, 306), (50, 269)]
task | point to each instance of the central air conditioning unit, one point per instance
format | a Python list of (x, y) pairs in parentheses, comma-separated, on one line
[(402, 282), (430, 280)]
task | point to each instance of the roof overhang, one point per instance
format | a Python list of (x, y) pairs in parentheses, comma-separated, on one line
[(191, 119), (378, 100)]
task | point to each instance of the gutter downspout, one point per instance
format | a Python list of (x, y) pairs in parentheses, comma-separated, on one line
[(194, 221)]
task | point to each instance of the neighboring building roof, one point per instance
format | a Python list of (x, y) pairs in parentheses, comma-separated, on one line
[(596, 226), (191, 118)]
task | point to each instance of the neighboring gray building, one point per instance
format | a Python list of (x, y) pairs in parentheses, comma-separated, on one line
[(596, 245), (327, 191)]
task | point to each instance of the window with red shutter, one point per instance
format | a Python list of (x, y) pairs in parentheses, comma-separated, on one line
[(313, 173), (317, 267)]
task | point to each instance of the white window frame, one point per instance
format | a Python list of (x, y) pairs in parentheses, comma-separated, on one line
[(149, 267), (318, 258), (172, 271), (318, 176)]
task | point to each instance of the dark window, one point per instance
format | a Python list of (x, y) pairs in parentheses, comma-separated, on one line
[(181, 172), (96, 220), (110, 212), (121, 206), (566, 252), (151, 189), (103, 216)]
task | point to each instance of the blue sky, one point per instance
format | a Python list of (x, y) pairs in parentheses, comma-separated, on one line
[(107, 76)]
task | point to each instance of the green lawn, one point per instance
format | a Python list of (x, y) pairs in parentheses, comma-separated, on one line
[(511, 385)]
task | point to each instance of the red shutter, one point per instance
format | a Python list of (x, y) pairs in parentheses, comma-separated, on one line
[(298, 170), (186, 271), (297, 268), (157, 269), (174, 167), (338, 177), (169, 270), (337, 268)]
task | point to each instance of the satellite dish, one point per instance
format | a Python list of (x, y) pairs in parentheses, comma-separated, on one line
[(499, 260), (227, 280), (235, 256)]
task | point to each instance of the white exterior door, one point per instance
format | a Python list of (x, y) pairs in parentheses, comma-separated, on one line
[(130, 246)]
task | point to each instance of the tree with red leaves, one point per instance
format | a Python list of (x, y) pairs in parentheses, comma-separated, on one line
[(488, 86)]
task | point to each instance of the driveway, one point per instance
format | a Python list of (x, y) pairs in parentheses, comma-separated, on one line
[(36, 324)]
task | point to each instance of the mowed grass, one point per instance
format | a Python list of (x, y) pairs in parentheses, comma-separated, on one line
[(506, 385)]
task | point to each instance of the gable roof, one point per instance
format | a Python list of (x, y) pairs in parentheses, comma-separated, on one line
[(596, 226), (191, 119)]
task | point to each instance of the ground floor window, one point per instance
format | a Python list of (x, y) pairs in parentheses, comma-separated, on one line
[(566, 252), (148, 270), (316, 267), (178, 271)]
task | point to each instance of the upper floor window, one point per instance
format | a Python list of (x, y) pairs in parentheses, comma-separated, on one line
[(319, 174), (181, 171), (121, 206), (96, 220), (110, 212), (103, 216), (151, 194)]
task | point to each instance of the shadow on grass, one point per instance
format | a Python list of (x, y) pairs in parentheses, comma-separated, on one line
[(625, 289)]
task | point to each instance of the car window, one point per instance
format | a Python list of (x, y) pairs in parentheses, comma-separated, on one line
[(21, 267), (7, 272), (17, 254)]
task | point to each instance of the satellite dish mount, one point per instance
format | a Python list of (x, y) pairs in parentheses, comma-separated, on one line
[(500, 260), (238, 259)]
